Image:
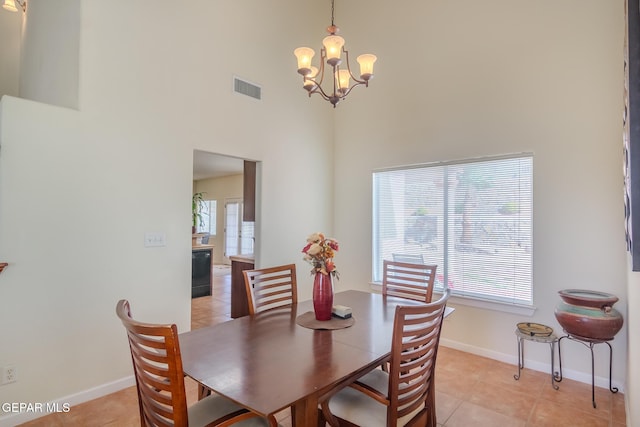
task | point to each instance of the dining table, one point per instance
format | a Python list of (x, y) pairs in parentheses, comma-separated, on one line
[(269, 362)]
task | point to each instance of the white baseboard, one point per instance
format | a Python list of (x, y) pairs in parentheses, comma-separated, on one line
[(40, 410), (530, 364)]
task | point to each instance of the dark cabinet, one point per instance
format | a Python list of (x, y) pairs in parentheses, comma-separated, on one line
[(239, 301), (249, 187), (200, 273)]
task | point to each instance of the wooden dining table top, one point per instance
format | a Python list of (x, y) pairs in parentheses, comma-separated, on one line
[(267, 362)]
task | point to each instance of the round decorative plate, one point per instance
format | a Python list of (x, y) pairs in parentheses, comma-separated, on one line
[(535, 329)]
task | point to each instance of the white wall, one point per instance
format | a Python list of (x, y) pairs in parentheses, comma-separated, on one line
[(220, 189), (51, 52), (78, 189), (489, 78), (10, 34)]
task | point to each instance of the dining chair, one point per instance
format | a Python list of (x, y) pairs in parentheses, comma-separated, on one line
[(408, 280), (410, 258), (404, 396), (157, 365), (272, 287)]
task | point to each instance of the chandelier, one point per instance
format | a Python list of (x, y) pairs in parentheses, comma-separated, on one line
[(333, 47), (10, 5)]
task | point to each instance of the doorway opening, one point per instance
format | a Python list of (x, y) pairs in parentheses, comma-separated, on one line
[(221, 180)]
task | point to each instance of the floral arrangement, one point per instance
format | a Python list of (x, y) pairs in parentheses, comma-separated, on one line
[(319, 252)]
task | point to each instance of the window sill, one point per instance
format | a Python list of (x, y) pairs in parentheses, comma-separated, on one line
[(523, 310)]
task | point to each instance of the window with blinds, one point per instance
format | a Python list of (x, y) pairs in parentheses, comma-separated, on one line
[(471, 218)]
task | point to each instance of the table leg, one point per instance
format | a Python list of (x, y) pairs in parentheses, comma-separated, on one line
[(552, 344), (593, 377), (520, 357), (304, 413), (203, 391), (611, 389), (590, 344), (558, 375)]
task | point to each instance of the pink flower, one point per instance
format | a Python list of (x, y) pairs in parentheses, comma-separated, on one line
[(330, 266), (319, 252)]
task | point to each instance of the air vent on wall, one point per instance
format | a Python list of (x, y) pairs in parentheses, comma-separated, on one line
[(246, 88)]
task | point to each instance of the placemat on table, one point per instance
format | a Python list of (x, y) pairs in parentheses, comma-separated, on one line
[(308, 320)]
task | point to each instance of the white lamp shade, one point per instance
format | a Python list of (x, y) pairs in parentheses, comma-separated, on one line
[(366, 65), (343, 77), (10, 5), (333, 47), (304, 55)]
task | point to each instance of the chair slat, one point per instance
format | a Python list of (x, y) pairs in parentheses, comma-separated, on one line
[(407, 280), (271, 288)]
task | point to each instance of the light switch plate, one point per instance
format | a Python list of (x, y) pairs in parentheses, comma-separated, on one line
[(154, 239)]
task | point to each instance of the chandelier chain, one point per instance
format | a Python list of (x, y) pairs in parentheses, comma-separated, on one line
[(332, 9)]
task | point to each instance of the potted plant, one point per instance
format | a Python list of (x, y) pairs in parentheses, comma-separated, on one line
[(197, 205)]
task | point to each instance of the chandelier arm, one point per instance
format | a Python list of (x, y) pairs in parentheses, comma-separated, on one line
[(323, 57), (336, 85), (318, 89), (346, 52), (351, 88)]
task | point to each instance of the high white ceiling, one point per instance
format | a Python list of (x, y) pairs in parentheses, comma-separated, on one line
[(210, 165)]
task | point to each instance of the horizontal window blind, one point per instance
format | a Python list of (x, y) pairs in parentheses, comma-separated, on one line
[(473, 219)]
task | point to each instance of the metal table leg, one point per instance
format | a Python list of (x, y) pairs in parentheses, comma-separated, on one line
[(520, 357), (552, 344), (551, 340), (590, 344)]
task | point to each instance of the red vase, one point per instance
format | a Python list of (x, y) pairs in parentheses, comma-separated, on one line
[(322, 296)]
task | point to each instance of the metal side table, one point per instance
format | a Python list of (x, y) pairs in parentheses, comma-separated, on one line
[(588, 342), (551, 340)]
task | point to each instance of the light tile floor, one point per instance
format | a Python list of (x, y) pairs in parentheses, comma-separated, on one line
[(471, 390)]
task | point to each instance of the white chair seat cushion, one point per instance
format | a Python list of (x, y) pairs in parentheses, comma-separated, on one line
[(360, 409), (215, 406)]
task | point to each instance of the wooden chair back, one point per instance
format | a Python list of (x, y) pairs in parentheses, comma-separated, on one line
[(410, 258), (414, 348), (269, 288), (157, 365), (409, 394), (406, 280)]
